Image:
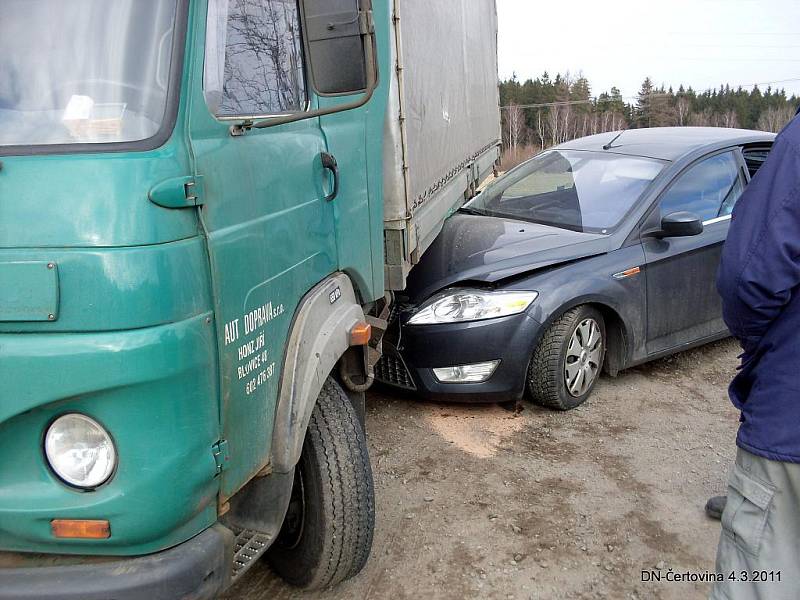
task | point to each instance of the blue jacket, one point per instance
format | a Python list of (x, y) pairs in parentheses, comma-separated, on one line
[(759, 281)]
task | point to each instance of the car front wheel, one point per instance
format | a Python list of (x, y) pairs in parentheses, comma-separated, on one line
[(568, 360)]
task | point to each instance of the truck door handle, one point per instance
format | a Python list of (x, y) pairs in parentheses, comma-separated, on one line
[(329, 163)]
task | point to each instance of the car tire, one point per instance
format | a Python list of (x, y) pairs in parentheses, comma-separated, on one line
[(326, 536), (549, 382)]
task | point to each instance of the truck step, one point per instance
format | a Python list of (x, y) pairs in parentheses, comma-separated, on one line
[(248, 548)]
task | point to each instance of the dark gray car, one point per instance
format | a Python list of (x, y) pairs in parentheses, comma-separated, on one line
[(598, 254)]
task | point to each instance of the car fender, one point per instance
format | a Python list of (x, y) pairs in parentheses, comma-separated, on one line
[(593, 281), (595, 299), (623, 344), (319, 336)]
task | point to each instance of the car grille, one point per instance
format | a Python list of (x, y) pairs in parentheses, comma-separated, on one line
[(392, 370)]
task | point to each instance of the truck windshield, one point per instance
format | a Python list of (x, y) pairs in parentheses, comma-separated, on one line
[(577, 190), (83, 71)]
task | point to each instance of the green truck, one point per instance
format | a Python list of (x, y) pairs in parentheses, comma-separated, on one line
[(205, 207)]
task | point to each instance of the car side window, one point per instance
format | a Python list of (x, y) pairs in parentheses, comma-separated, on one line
[(253, 58), (754, 158), (709, 189)]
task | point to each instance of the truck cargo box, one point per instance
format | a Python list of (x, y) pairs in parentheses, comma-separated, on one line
[(443, 121)]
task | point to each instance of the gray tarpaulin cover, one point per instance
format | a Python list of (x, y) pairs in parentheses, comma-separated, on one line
[(449, 96)]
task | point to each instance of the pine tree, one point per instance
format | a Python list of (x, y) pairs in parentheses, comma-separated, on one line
[(643, 116), (557, 119)]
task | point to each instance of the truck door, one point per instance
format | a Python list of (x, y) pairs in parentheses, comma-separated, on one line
[(269, 227)]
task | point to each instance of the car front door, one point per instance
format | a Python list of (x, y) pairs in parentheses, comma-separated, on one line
[(682, 301)]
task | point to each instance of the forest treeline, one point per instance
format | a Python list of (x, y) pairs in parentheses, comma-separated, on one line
[(542, 112)]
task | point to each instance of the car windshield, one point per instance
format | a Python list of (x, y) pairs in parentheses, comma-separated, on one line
[(571, 189), (83, 71)]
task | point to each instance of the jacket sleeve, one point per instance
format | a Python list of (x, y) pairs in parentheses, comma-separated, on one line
[(760, 267)]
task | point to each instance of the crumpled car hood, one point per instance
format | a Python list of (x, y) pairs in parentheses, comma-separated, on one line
[(473, 248)]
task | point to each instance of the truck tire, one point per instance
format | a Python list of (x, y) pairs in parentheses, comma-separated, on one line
[(326, 536), (550, 373)]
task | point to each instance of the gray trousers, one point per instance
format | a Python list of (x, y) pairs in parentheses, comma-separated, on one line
[(759, 548)]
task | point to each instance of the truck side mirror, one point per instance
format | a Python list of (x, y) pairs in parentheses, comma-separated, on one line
[(335, 37)]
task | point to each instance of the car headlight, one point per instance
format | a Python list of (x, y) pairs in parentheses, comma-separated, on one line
[(459, 305), (80, 451)]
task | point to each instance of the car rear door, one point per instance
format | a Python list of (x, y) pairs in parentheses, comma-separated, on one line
[(682, 301)]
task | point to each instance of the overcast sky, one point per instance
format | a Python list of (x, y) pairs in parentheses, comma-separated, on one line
[(701, 43)]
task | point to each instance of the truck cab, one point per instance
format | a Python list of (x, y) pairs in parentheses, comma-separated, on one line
[(193, 287)]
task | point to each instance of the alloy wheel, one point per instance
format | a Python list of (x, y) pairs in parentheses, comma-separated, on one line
[(584, 353)]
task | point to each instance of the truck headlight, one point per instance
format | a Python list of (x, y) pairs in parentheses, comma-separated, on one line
[(80, 451), (459, 305)]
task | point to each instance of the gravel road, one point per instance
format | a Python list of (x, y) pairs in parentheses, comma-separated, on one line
[(485, 502)]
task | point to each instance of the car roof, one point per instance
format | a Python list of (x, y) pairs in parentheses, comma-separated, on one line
[(667, 143)]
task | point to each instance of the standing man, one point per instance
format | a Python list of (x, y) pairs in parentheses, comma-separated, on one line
[(759, 281)]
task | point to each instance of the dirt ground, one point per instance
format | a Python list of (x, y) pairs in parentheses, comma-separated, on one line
[(482, 502)]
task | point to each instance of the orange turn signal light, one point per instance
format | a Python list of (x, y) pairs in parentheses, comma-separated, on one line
[(631, 272), (627, 273), (360, 334), (81, 529)]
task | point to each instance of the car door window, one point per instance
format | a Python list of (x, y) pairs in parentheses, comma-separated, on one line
[(754, 158), (709, 189), (253, 59)]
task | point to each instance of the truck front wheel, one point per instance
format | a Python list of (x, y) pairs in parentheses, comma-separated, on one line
[(326, 536)]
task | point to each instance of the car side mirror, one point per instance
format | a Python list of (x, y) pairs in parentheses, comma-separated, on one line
[(335, 37), (680, 224)]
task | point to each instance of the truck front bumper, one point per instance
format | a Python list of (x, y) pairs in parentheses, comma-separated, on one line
[(196, 569)]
